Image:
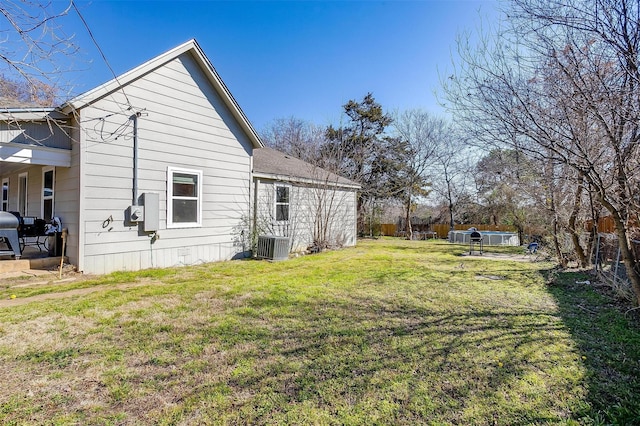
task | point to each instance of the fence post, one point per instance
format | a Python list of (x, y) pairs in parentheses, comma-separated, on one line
[(615, 272), (597, 259)]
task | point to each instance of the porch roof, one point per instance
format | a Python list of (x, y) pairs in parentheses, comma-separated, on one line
[(21, 154), (31, 114), (20, 146)]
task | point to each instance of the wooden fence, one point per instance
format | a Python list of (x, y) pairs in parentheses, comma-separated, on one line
[(605, 225), (388, 229)]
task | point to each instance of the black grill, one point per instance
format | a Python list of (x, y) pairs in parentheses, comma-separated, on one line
[(475, 238), (9, 224)]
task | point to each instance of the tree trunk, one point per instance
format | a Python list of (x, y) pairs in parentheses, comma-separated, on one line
[(452, 225), (556, 243), (575, 237), (520, 230), (450, 199), (593, 232), (626, 254), (408, 219), (556, 228)]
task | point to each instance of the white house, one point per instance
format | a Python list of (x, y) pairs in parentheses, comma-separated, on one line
[(295, 199), (152, 169)]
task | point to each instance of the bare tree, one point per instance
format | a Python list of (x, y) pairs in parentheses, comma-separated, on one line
[(320, 208), (34, 49), (452, 169), (319, 211), (421, 133), (560, 83), (18, 93), (503, 178), (35, 55), (267, 221), (296, 137)]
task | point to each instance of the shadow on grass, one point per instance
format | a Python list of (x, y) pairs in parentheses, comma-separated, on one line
[(381, 339), (609, 341), (402, 362)]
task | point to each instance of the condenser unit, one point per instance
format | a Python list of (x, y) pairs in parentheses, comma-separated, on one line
[(272, 247)]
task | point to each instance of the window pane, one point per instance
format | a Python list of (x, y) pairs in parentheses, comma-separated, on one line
[(22, 195), (185, 185), (47, 208), (282, 212), (185, 211), (48, 183), (282, 194), (5, 196)]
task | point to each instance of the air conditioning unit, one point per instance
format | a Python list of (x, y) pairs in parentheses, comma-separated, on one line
[(272, 247)]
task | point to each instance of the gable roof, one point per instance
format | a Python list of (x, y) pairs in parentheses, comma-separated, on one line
[(198, 55), (272, 164)]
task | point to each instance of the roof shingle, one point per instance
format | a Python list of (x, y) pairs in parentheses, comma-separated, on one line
[(269, 161)]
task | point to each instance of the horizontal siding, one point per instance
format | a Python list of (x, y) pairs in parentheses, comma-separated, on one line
[(221, 190), (153, 257), (166, 241), (220, 170), (155, 135), (40, 133), (185, 124), (303, 214), (67, 204), (156, 151)]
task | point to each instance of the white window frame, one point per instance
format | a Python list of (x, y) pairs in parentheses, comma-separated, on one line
[(48, 197), (170, 198), (276, 203), (5, 196), (23, 194)]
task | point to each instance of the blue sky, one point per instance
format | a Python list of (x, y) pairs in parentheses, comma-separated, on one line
[(288, 58)]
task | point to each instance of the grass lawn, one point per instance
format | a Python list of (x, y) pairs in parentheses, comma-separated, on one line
[(389, 332)]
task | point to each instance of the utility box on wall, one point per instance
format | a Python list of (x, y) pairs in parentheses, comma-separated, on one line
[(135, 214), (151, 221)]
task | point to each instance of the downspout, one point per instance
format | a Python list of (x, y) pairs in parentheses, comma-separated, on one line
[(134, 118), (82, 163), (254, 231)]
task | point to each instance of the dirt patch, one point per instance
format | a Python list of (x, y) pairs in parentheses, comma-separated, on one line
[(69, 293), (502, 256), (490, 277)]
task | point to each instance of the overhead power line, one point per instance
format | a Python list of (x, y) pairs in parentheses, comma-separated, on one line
[(104, 58)]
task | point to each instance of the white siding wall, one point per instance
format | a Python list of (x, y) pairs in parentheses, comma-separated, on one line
[(334, 207), (67, 198), (41, 133), (184, 124)]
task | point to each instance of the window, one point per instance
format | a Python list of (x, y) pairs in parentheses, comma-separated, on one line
[(48, 179), (282, 203), (5, 195), (184, 202), (22, 194)]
